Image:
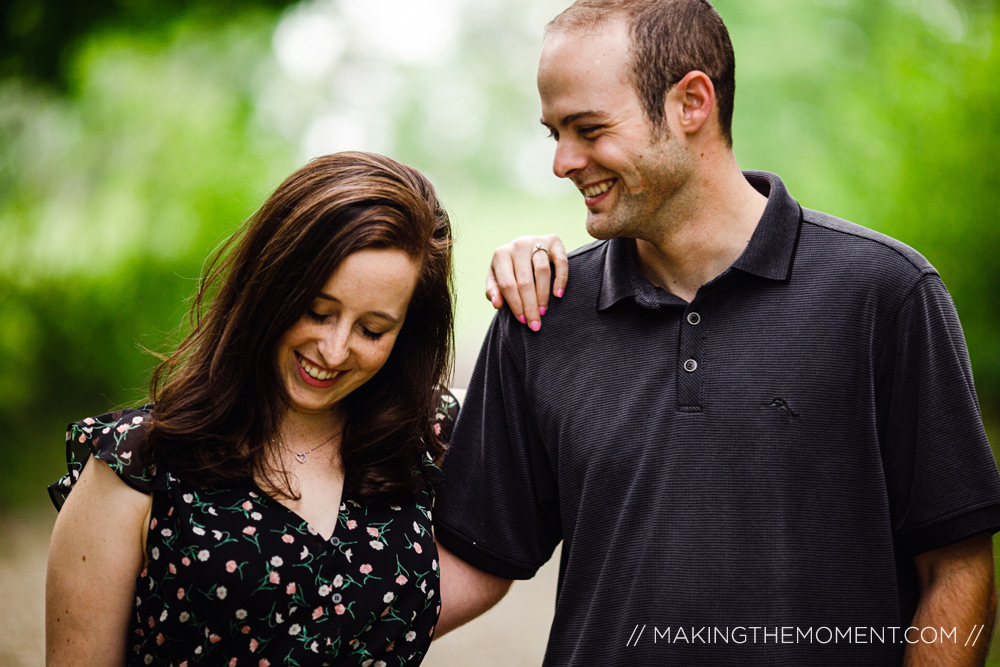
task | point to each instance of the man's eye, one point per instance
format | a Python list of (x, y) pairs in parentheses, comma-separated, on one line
[(553, 134), (589, 130)]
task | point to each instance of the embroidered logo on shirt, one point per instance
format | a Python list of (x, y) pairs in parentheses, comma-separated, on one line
[(781, 405)]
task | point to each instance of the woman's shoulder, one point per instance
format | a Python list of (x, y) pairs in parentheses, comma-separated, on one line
[(115, 438)]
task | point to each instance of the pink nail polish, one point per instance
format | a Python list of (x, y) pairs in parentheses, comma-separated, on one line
[(541, 310), (559, 292), (520, 318), (535, 325)]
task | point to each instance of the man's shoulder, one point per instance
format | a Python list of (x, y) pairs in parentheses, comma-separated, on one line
[(866, 246)]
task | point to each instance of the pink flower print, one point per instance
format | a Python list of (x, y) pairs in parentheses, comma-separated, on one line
[(160, 638), (172, 568), (317, 612), (214, 638), (245, 629), (231, 566), (287, 539), (151, 622), (264, 663), (152, 524), (372, 531), (290, 589), (88, 421), (180, 593), (121, 428), (247, 505), (401, 580), (185, 561), (82, 438), (416, 547), (352, 524), (253, 644), (354, 643), (183, 664), (249, 530), (437, 429), (365, 568), (232, 663), (295, 629), (274, 577), (339, 610), (221, 592)]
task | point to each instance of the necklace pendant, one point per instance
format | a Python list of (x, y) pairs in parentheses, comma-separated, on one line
[(300, 457)]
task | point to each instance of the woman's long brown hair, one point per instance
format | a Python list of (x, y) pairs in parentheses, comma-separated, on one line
[(218, 397)]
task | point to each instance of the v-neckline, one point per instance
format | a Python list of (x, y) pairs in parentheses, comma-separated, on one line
[(341, 511)]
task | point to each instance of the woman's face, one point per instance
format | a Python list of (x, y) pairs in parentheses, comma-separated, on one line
[(347, 333)]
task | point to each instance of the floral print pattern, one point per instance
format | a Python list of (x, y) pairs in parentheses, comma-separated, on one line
[(234, 577)]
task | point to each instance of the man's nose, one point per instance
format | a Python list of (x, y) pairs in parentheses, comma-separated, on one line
[(568, 159)]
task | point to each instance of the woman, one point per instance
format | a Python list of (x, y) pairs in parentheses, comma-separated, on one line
[(275, 507)]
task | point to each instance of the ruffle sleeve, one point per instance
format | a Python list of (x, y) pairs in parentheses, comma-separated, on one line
[(116, 439)]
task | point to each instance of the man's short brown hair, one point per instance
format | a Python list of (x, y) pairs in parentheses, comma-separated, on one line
[(669, 39)]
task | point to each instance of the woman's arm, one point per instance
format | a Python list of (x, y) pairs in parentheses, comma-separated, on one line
[(95, 554)]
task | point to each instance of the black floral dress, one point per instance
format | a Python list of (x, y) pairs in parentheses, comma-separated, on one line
[(236, 578)]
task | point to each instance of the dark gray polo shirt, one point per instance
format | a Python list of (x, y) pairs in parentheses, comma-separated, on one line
[(761, 463)]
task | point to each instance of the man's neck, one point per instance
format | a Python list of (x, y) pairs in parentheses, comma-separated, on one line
[(708, 231)]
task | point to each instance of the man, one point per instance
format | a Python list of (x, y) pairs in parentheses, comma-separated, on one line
[(752, 426)]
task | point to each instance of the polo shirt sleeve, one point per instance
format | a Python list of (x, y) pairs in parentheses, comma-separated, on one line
[(497, 505), (941, 475)]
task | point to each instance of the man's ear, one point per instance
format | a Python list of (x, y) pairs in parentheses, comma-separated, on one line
[(692, 100)]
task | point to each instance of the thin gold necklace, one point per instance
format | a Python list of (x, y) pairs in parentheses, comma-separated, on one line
[(301, 456)]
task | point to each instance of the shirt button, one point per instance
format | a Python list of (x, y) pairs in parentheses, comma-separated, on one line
[(337, 597), (694, 318), (690, 365), (335, 541)]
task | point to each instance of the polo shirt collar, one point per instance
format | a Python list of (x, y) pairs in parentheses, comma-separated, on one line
[(769, 254)]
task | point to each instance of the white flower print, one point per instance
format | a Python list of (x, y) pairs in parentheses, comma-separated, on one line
[(304, 554), (188, 498), (221, 592), (416, 527), (198, 530), (434, 565), (155, 553), (183, 617), (276, 561), (203, 555), (347, 555), (376, 545), (163, 616), (324, 590), (217, 534), (410, 636), (137, 420), (241, 614), (295, 629), (166, 532), (256, 516), (389, 597), (338, 581)]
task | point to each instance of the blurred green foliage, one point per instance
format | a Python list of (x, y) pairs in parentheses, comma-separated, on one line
[(164, 134)]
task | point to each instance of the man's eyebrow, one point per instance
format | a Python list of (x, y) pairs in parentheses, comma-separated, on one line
[(375, 313), (573, 117)]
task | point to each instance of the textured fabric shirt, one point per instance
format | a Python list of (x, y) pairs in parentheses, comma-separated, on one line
[(770, 455)]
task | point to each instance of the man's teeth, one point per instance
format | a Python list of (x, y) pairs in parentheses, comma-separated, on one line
[(316, 373), (599, 189)]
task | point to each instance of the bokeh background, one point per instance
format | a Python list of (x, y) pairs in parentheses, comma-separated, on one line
[(135, 135)]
